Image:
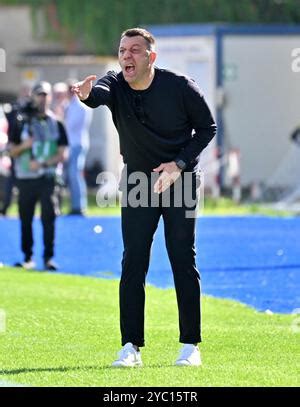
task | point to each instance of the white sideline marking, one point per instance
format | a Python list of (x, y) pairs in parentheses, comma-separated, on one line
[(4, 383)]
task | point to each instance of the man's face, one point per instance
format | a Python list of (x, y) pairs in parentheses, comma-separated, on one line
[(42, 101), (135, 59)]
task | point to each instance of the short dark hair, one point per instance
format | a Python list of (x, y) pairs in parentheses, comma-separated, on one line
[(133, 32)]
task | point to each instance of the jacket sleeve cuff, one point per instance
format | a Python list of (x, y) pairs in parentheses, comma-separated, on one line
[(89, 101)]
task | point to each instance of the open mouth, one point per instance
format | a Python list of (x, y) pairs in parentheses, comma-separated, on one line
[(130, 68)]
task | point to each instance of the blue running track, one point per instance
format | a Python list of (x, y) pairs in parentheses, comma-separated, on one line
[(255, 260)]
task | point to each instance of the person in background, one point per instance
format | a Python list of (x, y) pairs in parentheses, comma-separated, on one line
[(58, 107), (11, 114), (78, 119), (59, 100), (293, 197), (38, 144)]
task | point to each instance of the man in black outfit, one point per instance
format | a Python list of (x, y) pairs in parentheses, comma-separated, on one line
[(38, 144), (163, 123), (11, 117)]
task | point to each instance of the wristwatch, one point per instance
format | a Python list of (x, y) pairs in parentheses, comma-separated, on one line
[(180, 164)]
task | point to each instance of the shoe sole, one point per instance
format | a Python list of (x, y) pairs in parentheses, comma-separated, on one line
[(30, 268)]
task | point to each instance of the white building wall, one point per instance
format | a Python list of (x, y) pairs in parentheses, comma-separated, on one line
[(17, 38), (262, 103)]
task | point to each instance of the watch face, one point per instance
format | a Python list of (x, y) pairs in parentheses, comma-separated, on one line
[(181, 164)]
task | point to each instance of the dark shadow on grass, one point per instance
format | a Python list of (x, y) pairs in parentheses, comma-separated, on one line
[(75, 368), (47, 369)]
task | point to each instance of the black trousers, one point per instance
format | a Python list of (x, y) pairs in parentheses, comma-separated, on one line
[(32, 191), (9, 183), (138, 227)]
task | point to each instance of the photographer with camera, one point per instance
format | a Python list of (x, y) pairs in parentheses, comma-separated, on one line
[(38, 145), (11, 113)]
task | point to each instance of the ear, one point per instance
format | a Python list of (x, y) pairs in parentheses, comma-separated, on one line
[(152, 57)]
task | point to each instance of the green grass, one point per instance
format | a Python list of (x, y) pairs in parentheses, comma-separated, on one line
[(62, 330), (93, 209), (221, 207), (226, 206)]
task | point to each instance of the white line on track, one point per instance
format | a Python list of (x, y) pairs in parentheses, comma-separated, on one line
[(4, 383)]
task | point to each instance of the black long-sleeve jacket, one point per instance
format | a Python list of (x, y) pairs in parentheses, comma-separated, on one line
[(170, 120)]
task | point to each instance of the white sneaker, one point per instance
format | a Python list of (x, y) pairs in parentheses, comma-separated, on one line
[(189, 356), (128, 357), (27, 265)]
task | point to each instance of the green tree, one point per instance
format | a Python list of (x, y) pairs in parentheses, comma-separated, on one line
[(97, 23)]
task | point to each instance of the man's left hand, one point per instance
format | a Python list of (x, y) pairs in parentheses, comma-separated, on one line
[(169, 174)]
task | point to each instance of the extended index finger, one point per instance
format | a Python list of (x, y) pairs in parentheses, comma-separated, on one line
[(90, 78)]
